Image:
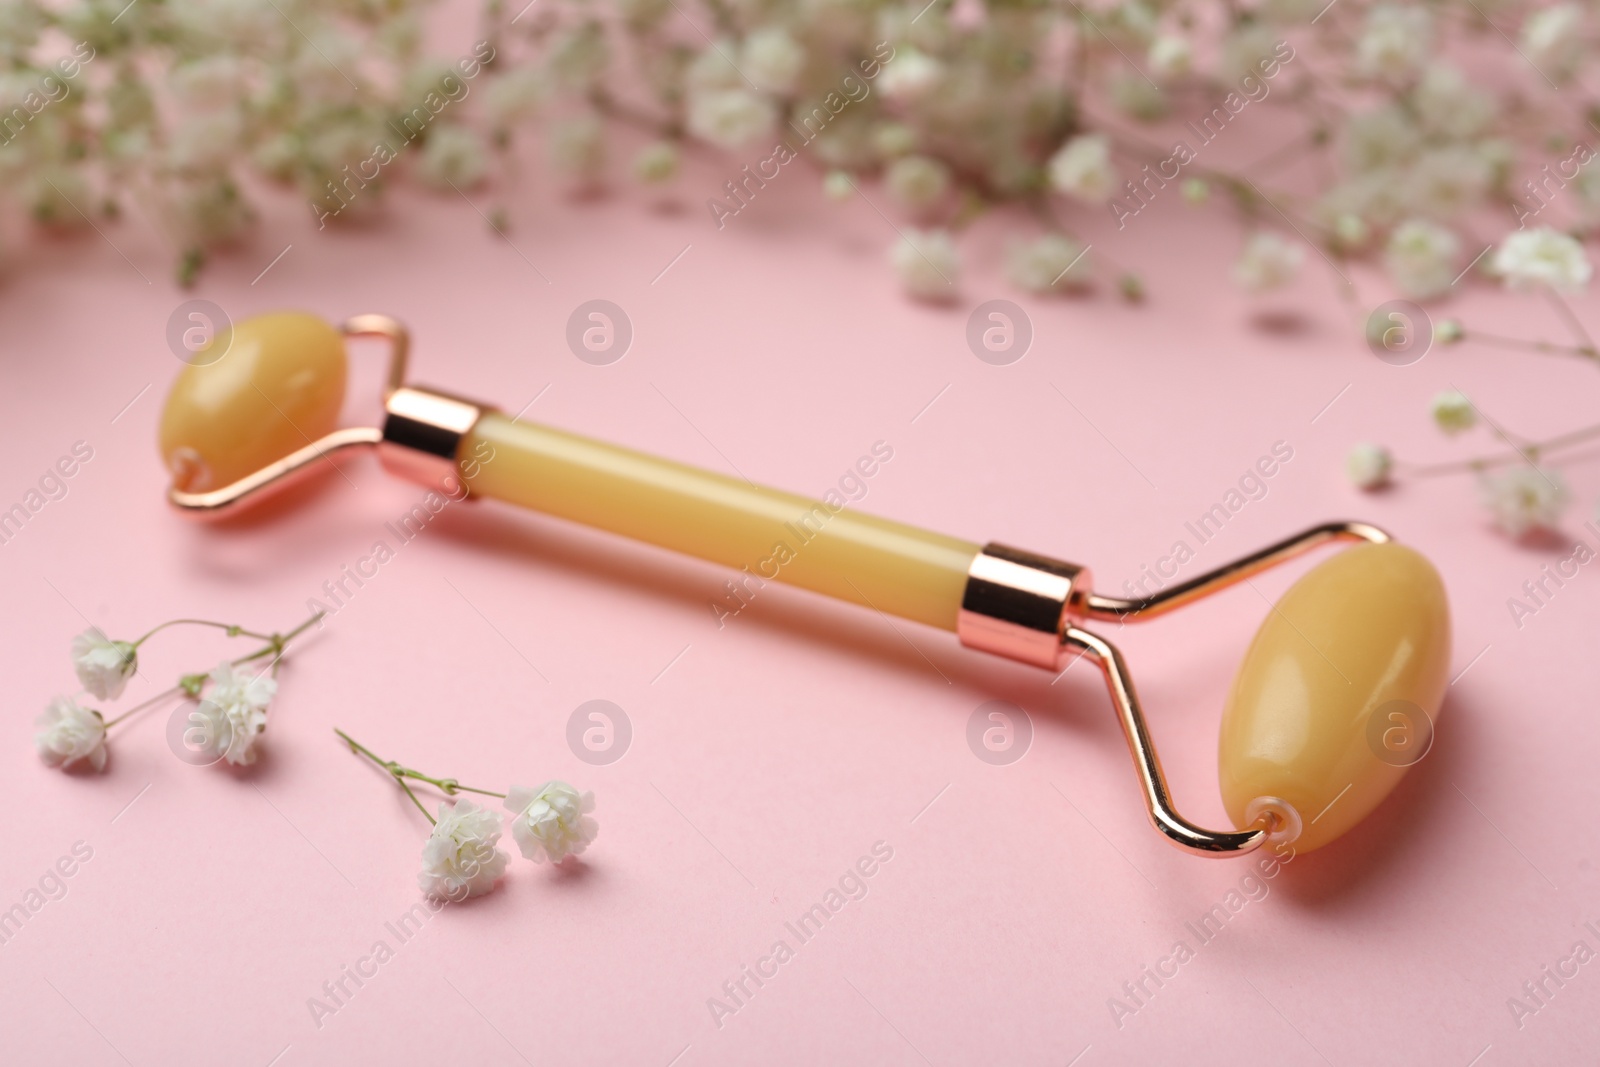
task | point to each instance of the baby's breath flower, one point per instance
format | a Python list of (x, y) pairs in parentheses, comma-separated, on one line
[(1051, 263), (234, 712), (70, 733), (730, 118), (1542, 257), (1453, 412), (928, 265), (1421, 258), (773, 59), (836, 185), (917, 181), (551, 822), (1368, 466), (453, 158), (1170, 57), (656, 163), (1082, 169), (1269, 261), (460, 859), (910, 76), (103, 665), (1525, 499), (1395, 43), (1553, 41)]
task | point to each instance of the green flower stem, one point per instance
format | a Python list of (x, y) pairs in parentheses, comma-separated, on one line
[(232, 630), (448, 786), (1501, 459), (191, 684), (158, 698)]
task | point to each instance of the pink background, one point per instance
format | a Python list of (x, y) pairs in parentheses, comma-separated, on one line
[(773, 753)]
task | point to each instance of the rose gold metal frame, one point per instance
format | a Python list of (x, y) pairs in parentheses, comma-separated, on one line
[(1027, 607), (419, 440), (1016, 604)]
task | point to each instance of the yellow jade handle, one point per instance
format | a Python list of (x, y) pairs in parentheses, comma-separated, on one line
[(1334, 701), (765, 534)]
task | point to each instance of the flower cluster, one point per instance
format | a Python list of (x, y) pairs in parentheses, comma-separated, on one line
[(1521, 489), (460, 858), (1066, 108), (227, 721)]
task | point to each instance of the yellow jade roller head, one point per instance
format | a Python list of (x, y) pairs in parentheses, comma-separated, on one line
[(1335, 699)]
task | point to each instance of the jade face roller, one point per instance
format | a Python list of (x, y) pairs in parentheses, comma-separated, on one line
[(1346, 671)]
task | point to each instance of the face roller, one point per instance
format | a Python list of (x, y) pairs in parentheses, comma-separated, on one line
[(1336, 693)]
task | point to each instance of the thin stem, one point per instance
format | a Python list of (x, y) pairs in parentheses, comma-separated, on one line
[(1544, 347), (1565, 311), (1500, 459), (158, 698), (448, 786), (233, 631)]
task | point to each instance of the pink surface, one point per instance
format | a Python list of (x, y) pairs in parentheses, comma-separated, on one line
[(770, 755)]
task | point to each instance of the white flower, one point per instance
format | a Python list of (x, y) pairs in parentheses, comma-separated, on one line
[(452, 157), (1136, 95), (1170, 57), (1542, 257), (1552, 40), (551, 822), (773, 60), (1395, 43), (234, 712), (1368, 466), (1421, 258), (1050, 264), (1447, 181), (927, 263), (917, 181), (1447, 103), (103, 666), (1453, 412), (1380, 139), (71, 732), (515, 95), (1268, 261), (460, 860), (656, 163), (712, 69), (1525, 498), (730, 118), (1082, 169), (910, 75), (836, 185), (893, 139)]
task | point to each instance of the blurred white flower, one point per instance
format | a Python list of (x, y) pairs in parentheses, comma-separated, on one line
[(1395, 43), (1453, 412), (1170, 57), (515, 96), (1421, 258), (1542, 257), (1524, 499), (1368, 466), (730, 118), (1552, 40), (917, 181), (836, 185), (1082, 169), (928, 264), (1446, 182), (713, 69), (773, 60), (1269, 260), (910, 75), (1051, 263), (893, 139), (103, 665), (551, 822), (452, 158), (656, 163), (70, 733), (460, 859), (1448, 104), (234, 712)]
